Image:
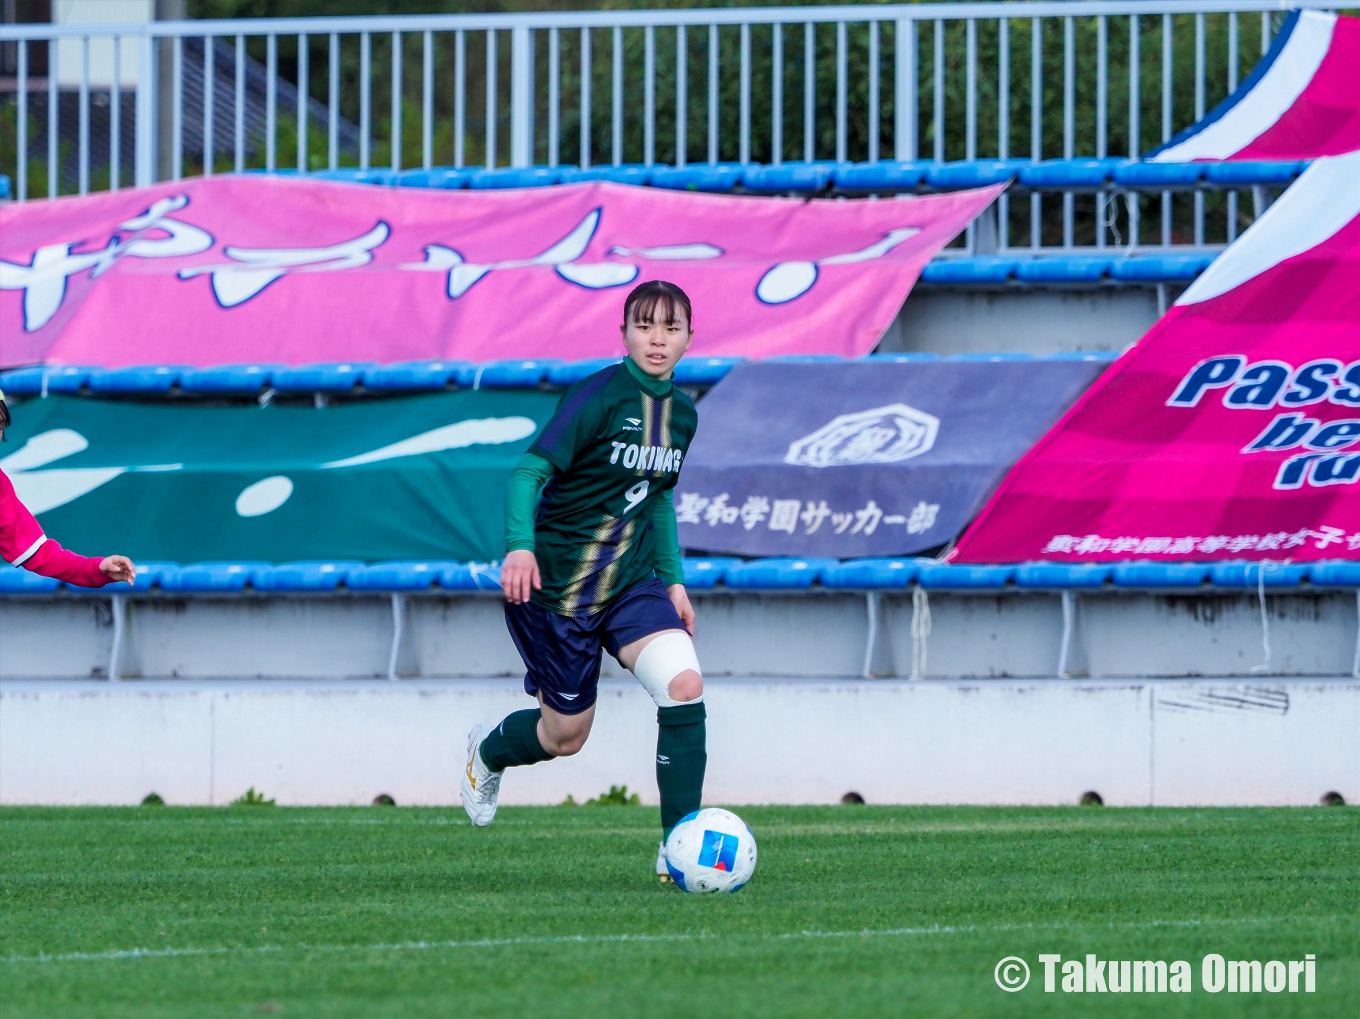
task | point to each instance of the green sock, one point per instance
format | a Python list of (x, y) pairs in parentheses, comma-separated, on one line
[(514, 742), (680, 761)]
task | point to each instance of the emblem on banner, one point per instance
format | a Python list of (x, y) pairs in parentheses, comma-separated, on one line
[(882, 435)]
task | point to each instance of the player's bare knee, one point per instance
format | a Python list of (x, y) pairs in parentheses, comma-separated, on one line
[(568, 746), (688, 686)]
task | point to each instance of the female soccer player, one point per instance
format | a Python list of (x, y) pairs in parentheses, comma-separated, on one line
[(22, 542), (598, 564)]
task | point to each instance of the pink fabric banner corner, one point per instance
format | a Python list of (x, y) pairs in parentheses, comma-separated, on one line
[(255, 268)]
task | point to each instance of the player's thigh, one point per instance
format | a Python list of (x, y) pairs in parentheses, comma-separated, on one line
[(639, 615), (628, 654), (561, 656)]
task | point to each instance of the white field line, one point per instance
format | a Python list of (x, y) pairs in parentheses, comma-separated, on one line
[(600, 939)]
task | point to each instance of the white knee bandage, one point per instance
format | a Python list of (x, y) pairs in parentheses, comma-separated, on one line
[(661, 661)]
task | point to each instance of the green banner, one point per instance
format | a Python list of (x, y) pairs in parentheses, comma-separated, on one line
[(417, 477)]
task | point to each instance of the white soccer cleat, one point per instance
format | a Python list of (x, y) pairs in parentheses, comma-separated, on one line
[(663, 872), (480, 785)]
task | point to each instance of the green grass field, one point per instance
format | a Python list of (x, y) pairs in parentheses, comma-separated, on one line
[(854, 911)]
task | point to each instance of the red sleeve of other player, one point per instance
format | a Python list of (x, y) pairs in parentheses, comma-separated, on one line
[(22, 543)]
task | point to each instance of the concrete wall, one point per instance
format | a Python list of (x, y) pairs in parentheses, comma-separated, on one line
[(770, 741)]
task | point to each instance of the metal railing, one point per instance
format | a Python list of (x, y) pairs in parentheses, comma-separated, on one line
[(936, 81)]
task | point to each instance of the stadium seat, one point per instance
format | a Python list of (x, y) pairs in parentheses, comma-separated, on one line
[(1159, 267), (1061, 575), (332, 377), (1159, 175), (230, 378), (570, 372), (776, 573), (302, 576), (396, 576), (1253, 173), (514, 177), (69, 378), (354, 175), (406, 375), (628, 173), (1069, 173), (1249, 574), (903, 356), (698, 177), (1335, 574), (471, 577), (704, 371), (17, 580), (1159, 574), (986, 356), (4, 186), (977, 269), (202, 578), (787, 177), (703, 574), (509, 374), (972, 173), (150, 574), (149, 379), (886, 175), (445, 177), (947, 576), (1063, 269), (23, 381), (869, 573), (1106, 356)]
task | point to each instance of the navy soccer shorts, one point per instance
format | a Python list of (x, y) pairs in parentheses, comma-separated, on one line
[(562, 653)]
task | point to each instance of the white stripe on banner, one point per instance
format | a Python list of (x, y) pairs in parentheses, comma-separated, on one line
[(1278, 90), (1323, 200)]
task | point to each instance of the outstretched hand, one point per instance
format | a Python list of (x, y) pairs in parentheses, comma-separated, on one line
[(680, 599), (118, 567), (520, 576)]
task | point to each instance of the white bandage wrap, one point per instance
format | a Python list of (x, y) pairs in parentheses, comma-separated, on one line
[(661, 661)]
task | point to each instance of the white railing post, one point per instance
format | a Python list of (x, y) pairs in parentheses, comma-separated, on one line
[(904, 91), (144, 169), (521, 144)]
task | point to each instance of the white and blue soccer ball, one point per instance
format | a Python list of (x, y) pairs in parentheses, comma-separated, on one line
[(711, 850)]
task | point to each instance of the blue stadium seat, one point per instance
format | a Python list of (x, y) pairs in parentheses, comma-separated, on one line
[(1159, 175), (704, 371), (1063, 575), (22, 381), (396, 576), (69, 378), (1104, 356), (776, 573), (17, 580), (886, 175), (947, 576), (406, 375), (509, 374), (903, 356), (1159, 267), (303, 576), (698, 177), (1159, 574), (1335, 574), (1253, 173), (986, 356), (973, 173), (628, 173), (446, 177), (977, 269), (787, 177), (514, 177), (150, 574), (1063, 269), (1069, 173), (1248, 574), (229, 378), (200, 578), (148, 379), (870, 573), (703, 574), (4, 186), (471, 577), (354, 175), (570, 372), (339, 376)]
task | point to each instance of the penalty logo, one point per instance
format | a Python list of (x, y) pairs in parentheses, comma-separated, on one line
[(719, 851)]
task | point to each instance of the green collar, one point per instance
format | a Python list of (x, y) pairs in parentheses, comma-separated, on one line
[(649, 384)]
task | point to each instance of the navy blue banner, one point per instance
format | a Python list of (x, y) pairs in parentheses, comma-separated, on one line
[(864, 458)]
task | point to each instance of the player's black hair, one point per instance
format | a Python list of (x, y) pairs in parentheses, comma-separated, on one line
[(647, 299)]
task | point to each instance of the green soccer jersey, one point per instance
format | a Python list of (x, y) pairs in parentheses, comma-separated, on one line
[(618, 437)]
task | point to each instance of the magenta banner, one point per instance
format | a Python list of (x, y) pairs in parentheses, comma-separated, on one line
[(275, 269), (1232, 429)]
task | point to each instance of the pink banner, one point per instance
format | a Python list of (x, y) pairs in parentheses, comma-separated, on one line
[(257, 268), (1300, 102), (1232, 429)]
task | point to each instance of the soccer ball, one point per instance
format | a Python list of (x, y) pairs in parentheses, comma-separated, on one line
[(711, 850)]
